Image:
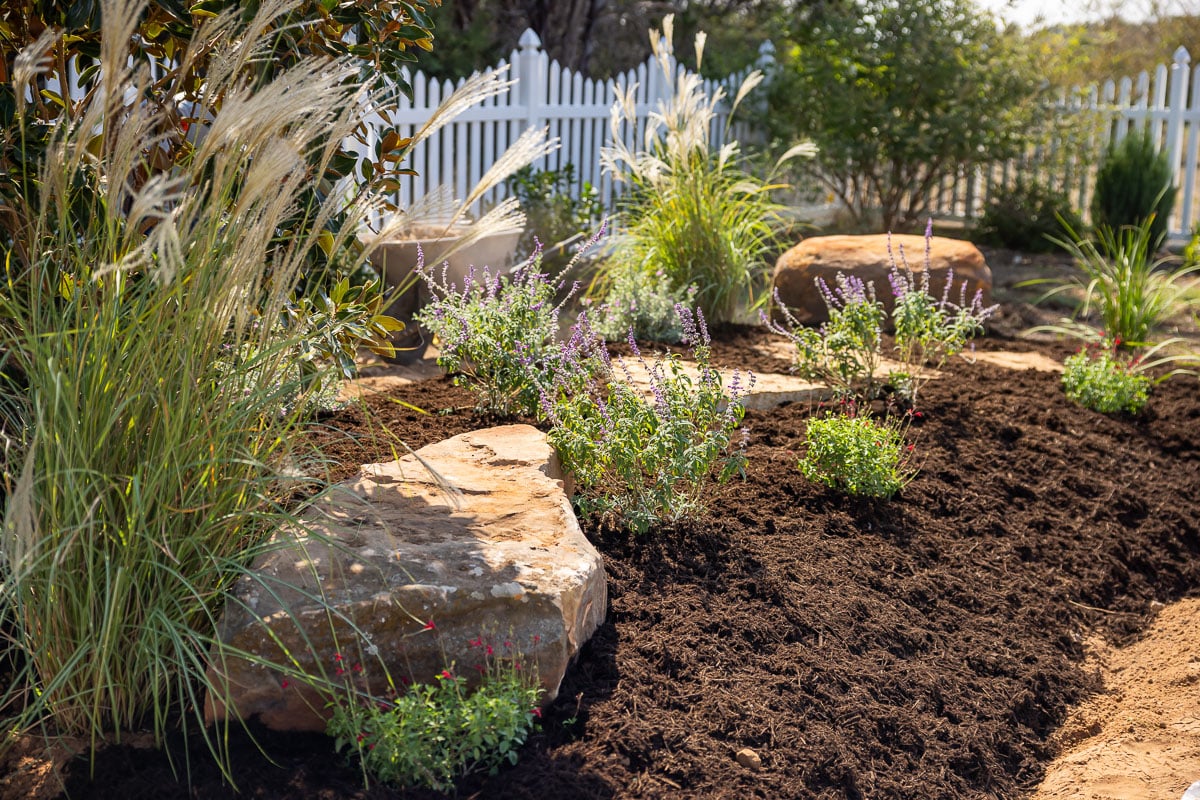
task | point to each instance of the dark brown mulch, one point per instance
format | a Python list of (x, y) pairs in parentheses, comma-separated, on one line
[(919, 648)]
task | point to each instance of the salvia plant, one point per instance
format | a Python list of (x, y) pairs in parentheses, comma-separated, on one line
[(644, 450), (499, 335), (644, 303), (434, 732), (846, 352), (854, 453)]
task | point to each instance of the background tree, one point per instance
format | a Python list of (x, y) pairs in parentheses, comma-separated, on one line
[(899, 94), (601, 37)]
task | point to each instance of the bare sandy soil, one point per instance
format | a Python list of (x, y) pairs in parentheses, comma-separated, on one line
[(1140, 738)]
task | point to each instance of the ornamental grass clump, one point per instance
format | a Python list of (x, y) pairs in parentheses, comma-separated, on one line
[(644, 450), (434, 733), (1129, 290), (855, 454), (499, 335), (143, 469), (692, 213)]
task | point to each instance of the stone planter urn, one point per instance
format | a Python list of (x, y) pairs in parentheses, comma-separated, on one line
[(396, 260)]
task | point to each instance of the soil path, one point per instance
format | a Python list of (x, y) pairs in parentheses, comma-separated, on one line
[(1140, 738)]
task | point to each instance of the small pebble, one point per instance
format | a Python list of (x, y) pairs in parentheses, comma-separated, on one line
[(749, 759)]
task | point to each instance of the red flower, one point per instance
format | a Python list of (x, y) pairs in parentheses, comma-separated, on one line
[(446, 674), (358, 667), (341, 671), (285, 684), (537, 712), (489, 650), (429, 626), (536, 638), (337, 656), (476, 642)]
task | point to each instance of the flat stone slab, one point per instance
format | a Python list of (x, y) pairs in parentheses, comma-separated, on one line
[(770, 389), (1018, 360), (409, 569)]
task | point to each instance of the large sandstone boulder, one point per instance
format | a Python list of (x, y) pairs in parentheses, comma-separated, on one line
[(866, 257), (411, 576)]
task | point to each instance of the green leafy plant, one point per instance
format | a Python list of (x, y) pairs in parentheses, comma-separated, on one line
[(1124, 283), (1104, 382), (855, 454), (648, 459), (333, 324), (1026, 217), (692, 213), (645, 304), (435, 733), (1133, 186), (555, 217), (144, 369), (499, 335)]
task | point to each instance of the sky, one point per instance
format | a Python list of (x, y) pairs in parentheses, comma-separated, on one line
[(1027, 12)]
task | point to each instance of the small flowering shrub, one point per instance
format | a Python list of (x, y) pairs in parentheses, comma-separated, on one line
[(499, 335), (856, 454), (845, 352), (1104, 383), (930, 331), (645, 304), (649, 459), (436, 733)]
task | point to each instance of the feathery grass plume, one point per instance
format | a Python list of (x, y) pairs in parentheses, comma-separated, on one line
[(149, 390), (691, 213)]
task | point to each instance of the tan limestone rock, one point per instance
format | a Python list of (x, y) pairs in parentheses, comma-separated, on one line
[(866, 257), (502, 558)]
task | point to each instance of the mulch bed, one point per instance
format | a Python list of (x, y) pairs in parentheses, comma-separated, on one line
[(923, 647)]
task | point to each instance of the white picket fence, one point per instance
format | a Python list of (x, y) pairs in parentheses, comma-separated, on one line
[(1168, 106), (575, 108)]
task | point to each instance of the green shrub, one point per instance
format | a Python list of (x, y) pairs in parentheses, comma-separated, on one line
[(558, 220), (438, 732), (646, 460), (900, 96), (1133, 186), (645, 304), (1025, 217), (1103, 383), (856, 455)]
